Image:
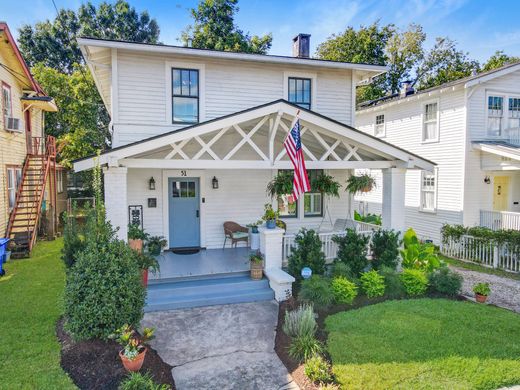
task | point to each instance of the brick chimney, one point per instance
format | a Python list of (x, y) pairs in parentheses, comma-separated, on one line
[(406, 88), (301, 45)]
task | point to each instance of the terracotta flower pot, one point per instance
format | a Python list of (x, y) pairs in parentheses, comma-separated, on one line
[(256, 270), (145, 277), (133, 365), (136, 245), (481, 298)]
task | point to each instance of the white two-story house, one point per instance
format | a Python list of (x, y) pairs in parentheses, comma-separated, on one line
[(471, 129)]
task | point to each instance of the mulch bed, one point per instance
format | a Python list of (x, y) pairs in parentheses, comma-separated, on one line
[(95, 364)]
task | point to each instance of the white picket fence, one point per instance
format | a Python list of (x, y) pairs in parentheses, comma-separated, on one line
[(496, 220), (329, 247), (480, 251)]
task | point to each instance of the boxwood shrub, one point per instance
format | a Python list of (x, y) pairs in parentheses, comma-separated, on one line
[(415, 282), (445, 281), (373, 284), (344, 290)]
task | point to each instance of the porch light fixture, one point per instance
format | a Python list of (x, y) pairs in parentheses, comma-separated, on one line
[(487, 180), (214, 183), (151, 183)]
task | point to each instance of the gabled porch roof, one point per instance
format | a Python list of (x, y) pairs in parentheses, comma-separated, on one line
[(253, 139)]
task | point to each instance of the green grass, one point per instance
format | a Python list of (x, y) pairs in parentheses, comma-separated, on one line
[(479, 268), (425, 344), (31, 296)]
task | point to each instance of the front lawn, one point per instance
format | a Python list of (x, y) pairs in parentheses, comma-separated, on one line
[(31, 296), (425, 344)]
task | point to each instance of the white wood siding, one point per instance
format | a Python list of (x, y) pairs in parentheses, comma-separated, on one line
[(404, 129), (144, 92)]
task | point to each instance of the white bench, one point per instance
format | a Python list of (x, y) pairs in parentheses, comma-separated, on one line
[(281, 283)]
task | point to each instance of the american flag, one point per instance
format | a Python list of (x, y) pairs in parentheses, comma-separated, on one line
[(293, 146)]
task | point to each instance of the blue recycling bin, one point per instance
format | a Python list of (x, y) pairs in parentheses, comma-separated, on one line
[(3, 249)]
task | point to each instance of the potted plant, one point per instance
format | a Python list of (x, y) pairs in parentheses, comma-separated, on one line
[(146, 262), (155, 244), (481, 291), (256, 261), (270, 216), (362, 183), (282, 184), (134, 349), (326, 185), (136, 237)]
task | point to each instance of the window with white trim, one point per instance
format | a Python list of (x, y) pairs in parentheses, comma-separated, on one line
[(514, 112), (185, 95), (428, 191), (14, 177), (313, 201), (431, 122), (379, 128), (59, 181), (7, 103), (495, 108), (300, 91)]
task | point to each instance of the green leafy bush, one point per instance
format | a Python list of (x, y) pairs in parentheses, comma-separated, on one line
[(306, 253), (318, 370), (304, 347), (393, 286), (445, 281), (352, 250), (417, 255), (138, 381), (373, 284), (414, 281), (300, 322), (73, 240), (344, 290), (385, 249), (341, 269), (374, 219), (317, 290), (135, 232)]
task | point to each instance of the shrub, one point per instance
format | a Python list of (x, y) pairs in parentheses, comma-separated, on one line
[(445, 281), (393, 286), (304, 347), (344, 290), (135, 232), (414, 281), (417, 255), (300, 322), (385, 249), (373, 284), (352, 250), (340, 269), (316, 290), (306, 253), (73, 241), (482, 289), (138, 381), (318, 370)]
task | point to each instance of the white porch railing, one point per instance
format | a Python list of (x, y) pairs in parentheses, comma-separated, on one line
[(514, 136), (480, 251), (497, 220)]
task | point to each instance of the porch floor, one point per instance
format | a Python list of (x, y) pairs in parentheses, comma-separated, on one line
[(206, 262)]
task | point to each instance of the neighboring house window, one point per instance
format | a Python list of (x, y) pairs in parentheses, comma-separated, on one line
[(300, 92), (14, 177), (185, 95), (514, 112), (428, 191), (59, 181), (379, 130), (7, 103), (287, 205), (431, 122), (313, 201), (495, 115)]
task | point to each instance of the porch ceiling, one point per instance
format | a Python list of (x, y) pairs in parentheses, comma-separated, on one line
[(253, 139)]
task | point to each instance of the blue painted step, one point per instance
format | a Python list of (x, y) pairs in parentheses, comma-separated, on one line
[(207, 291)]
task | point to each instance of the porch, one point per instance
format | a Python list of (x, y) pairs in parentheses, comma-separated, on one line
[(500, 220)]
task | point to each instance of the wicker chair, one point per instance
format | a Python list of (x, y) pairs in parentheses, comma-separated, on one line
[(235, 233)]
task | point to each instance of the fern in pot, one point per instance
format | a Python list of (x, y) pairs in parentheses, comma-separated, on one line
[(282, 184), (361, 183), (326, 185), (155, 244)]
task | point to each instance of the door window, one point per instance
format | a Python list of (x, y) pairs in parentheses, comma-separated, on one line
[(183, 189)]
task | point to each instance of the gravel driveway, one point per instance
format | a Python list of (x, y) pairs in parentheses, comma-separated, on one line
[(505, 292)]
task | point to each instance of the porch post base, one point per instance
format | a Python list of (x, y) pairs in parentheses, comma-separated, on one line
[(271, 241), (281, 283)]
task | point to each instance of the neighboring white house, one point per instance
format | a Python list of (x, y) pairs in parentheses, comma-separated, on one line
[(471, 129)]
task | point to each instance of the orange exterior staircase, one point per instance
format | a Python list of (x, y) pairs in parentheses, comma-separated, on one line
[(38, 168)]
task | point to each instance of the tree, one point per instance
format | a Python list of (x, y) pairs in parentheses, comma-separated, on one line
[(498, 60), (54, 42), (214, 28), (444, 63)]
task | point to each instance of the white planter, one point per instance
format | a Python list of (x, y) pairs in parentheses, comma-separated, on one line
[(254, 241)]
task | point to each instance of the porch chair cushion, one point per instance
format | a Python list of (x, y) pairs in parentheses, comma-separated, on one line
[(238, 235)]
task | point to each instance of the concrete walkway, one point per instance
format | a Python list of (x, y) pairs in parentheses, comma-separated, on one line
[(221, 347)]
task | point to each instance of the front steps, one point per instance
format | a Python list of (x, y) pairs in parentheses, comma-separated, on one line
[(170, 294)]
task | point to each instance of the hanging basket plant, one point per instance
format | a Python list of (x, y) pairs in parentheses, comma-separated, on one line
[(282, 184), (326, 185), (361, 183)]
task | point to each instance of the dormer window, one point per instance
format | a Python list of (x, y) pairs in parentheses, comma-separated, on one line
[(300, 92), (185, 95)]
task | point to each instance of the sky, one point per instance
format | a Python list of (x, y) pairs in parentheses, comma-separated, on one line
[(480, 27)]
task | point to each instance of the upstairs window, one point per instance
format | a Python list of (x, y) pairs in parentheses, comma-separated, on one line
[(514, 112), (300, 92), (495, 115), (430, 122), (379, 129), (185, 95), (7, 102), (428, 191)]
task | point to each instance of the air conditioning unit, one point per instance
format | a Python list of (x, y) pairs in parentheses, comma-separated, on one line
[(13, 124)]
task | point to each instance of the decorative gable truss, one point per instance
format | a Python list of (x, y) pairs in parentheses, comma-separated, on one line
[(253, 139)]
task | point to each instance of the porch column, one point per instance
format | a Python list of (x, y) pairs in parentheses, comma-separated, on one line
[(271, 241), (116, 199), (394, 189)]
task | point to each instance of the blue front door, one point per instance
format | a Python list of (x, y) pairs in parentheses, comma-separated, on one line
[(184, 214)]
